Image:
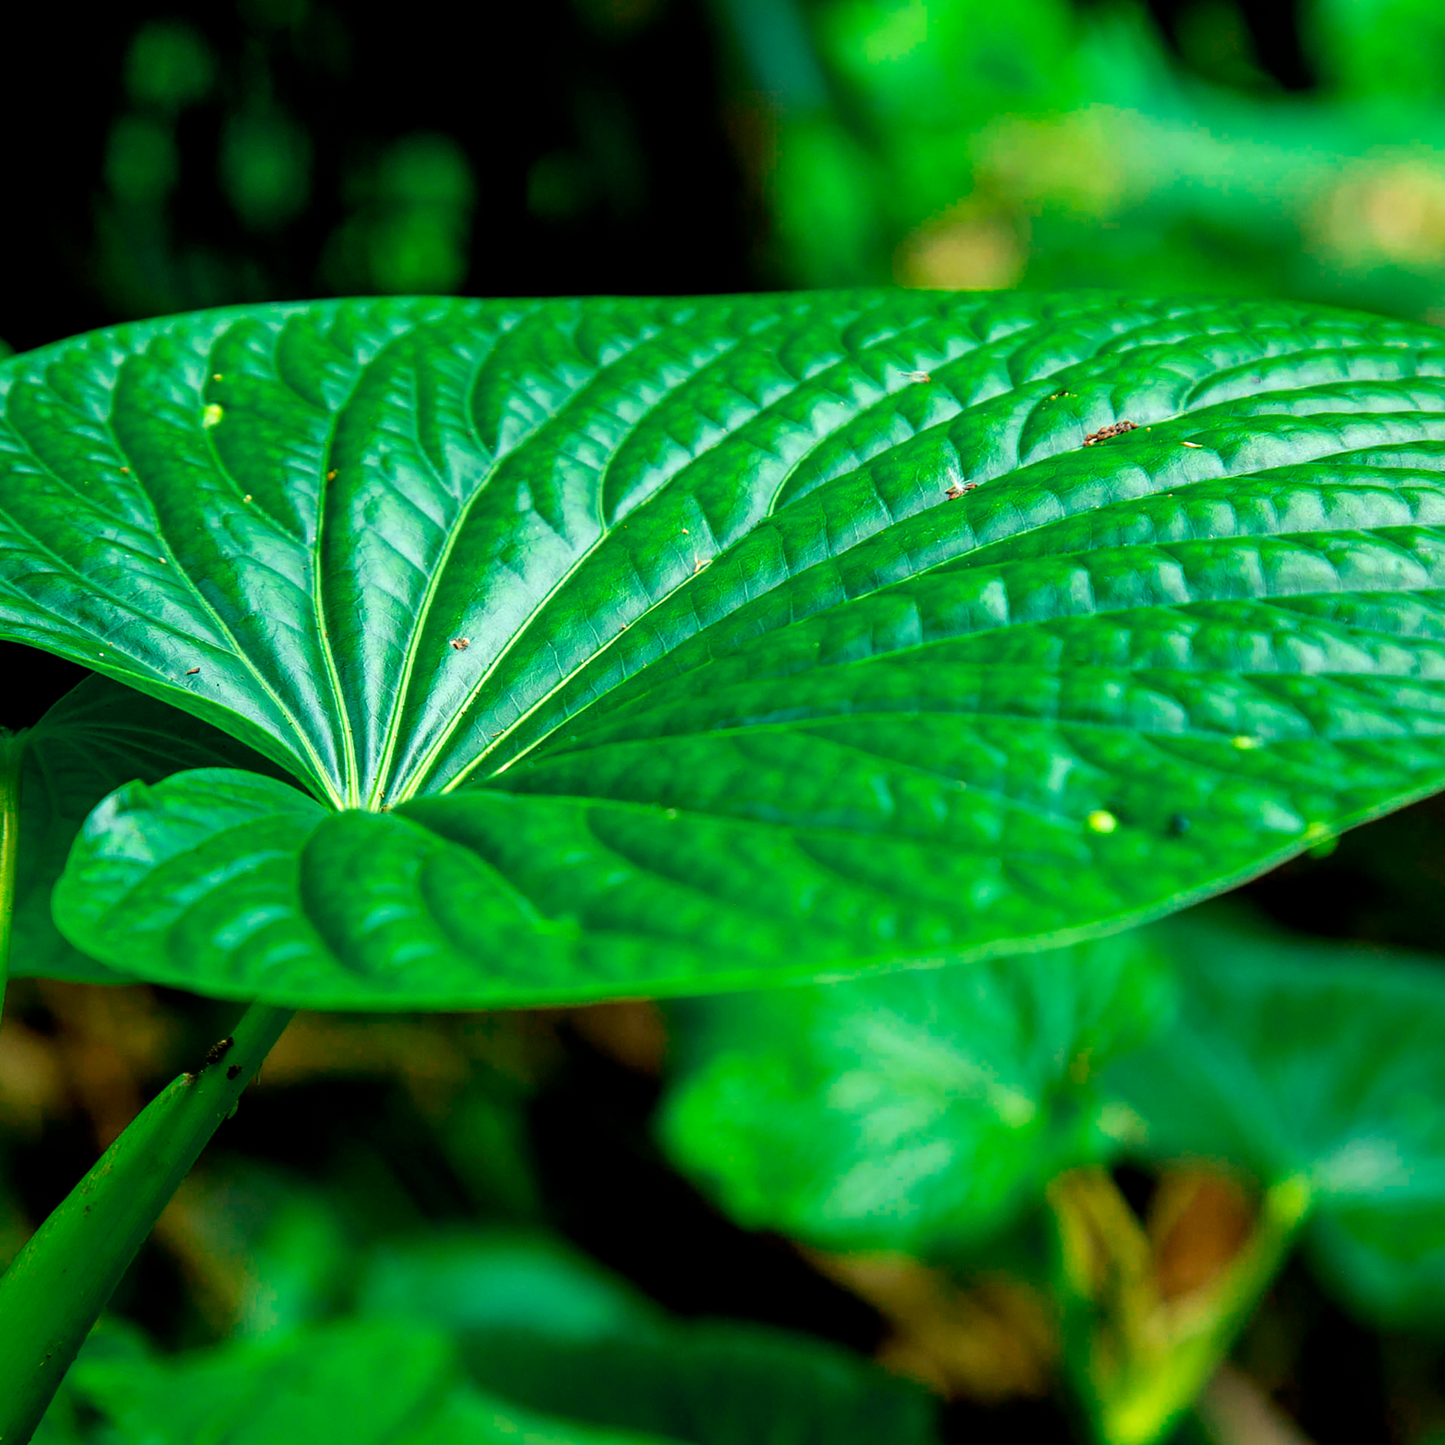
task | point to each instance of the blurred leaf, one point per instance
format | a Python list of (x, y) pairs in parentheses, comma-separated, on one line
[(169, 65), (921, 1111), (1294, 1059), (426, 169), (484, 1136), (141, 161), (352, 1383), (412, 231), (265, 166), (1382, 50), (468, 1417), (706, 1384), (264, 1251), (349, 1383), (503, 1280), (543, 1326), (98, 736)]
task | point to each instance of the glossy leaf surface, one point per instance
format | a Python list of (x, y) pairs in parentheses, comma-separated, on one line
[(1297, 1059), (97, 737), (920, 1111), (670, 646)]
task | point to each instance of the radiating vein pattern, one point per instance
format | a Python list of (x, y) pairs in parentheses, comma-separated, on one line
[(680, 635)]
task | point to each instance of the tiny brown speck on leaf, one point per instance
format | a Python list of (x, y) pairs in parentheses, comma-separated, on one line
[(331, 475), (461, 643), (192, 671), (1105, 432), (958, 489)]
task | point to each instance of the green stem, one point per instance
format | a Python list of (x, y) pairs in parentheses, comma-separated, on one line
[(59, 1283), (1138, 1361), (12, 749)]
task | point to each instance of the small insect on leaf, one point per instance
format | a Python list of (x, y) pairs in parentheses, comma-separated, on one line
[(1105, 432), (1196, 445), (917, 376), (331, 475), (958, 489), (461, 643), (192, 671), (219, 1050), (234, 1072)]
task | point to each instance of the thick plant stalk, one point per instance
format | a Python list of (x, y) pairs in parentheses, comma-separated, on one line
[(59, 1283)]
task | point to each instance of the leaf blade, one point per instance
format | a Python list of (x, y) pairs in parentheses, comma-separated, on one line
[(613, 570)]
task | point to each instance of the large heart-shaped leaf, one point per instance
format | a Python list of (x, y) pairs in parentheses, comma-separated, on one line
[(921, 1111), (1325, 1064), (662, 646), (97, 737)]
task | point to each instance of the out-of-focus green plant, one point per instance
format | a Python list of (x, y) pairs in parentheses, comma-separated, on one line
[(406, 203), (899, 1114), (958, 143), (415, 1353)]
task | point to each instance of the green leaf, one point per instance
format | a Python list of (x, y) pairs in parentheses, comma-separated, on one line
[(98, 736), (468, 1417), (504, 1280), (368, 1382), (710, 1383), (1294, 1059), (647, 651), (921, 1111), (356, 1382), (548, 1330)]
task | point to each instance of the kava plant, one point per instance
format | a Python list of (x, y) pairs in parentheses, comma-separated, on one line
[(469, 655)]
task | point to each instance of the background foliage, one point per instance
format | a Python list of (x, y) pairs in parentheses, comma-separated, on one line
[(285, 148)]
